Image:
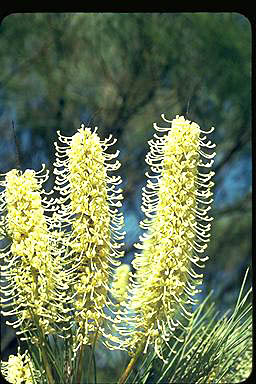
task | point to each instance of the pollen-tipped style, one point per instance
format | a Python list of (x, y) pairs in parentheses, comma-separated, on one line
[(33, 284), (89, 209), (176, 201)]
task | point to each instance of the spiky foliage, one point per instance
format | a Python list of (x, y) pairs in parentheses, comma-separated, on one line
[(217, 348)]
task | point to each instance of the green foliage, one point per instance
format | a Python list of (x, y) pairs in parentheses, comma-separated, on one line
[(119, 66), (216, 348)]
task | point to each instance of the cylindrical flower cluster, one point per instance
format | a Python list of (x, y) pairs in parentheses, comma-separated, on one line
[(120, 283), (33, 283), (20, 369), (89, 206), (176, 203)]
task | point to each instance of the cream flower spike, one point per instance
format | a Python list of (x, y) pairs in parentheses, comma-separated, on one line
[(89, 206), (20, 369), (34, 284), (176, 202), (120, 283)]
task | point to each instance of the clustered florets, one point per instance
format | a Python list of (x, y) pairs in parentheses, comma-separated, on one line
[(89, 204), (19, 369), (33, 267), (175, 202), (120, 283), (59, 267)]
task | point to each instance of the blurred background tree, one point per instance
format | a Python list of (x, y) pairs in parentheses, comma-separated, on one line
[(120, 71)]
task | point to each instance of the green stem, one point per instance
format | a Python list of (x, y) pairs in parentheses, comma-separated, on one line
[(42, 348), (80, 364), (92, 355), (47, 366), (130, 366)]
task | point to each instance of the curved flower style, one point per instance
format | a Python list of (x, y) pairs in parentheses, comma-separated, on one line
[(88, 197), (35, 289), (176, 207), (20, 369)]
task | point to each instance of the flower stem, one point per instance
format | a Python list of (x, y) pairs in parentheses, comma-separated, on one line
[(130, 366), (47, 367), (43, 349), (92, 357), (80, 364)]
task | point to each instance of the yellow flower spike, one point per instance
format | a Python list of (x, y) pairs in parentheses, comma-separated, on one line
[(89, 207), (20, 369), (34, 282), (176, 202), (120, 283)]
